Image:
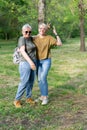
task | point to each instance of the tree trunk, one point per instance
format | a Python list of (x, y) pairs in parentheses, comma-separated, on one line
[(6, 36), (41, 11), (82, 33)]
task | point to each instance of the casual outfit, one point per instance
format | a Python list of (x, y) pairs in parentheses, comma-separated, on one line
[(27, 75), (43, 54)]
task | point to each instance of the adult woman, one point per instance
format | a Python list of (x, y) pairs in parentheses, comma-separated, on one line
[(43, 43), (27, 66)]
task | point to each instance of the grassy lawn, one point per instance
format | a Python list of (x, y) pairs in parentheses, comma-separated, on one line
[(67, 108)]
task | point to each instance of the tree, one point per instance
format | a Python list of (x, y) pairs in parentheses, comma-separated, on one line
[(80, 7), (41, 11), (67, 20), (81, 17), (15, 15)]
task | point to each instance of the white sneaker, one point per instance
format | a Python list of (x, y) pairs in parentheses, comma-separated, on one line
[(38, 99), (44, 101)]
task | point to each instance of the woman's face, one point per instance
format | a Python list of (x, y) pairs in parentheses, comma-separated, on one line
[(42, 30), (26, 32)]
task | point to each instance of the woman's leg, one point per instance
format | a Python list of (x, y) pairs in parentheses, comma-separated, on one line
[(29, 85), (24, 70), (43, 68)]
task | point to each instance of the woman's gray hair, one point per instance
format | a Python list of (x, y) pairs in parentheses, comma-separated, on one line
[(26, 26)]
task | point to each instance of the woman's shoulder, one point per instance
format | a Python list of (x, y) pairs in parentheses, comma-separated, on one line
[(21, 41), (21, 38), (35, 37)]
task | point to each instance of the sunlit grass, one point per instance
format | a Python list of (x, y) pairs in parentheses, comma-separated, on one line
[(67, 108)]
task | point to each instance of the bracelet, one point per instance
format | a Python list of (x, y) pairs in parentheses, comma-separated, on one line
[(56, 35)]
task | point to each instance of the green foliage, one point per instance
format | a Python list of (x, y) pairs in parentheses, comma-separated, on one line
[(17, 13)]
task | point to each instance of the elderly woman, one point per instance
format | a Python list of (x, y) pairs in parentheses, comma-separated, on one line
[(27, 66), (43, 44)]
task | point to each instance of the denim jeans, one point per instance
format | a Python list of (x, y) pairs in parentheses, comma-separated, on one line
[(27, 76), (43, 67)]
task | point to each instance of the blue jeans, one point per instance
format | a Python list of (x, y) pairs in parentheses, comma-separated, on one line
[(43, 67), (27, 76)]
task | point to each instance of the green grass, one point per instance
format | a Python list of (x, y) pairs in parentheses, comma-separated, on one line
[(67, 109)]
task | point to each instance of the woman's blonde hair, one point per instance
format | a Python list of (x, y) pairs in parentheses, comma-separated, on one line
[(44, 25)]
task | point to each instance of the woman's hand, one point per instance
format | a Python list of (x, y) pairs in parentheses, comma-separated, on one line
[(32, 65), (59, 43), (54, 31)]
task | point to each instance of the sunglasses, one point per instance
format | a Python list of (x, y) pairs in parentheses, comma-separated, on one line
[(29, 32)]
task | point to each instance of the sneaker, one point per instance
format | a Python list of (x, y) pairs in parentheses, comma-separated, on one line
[(38, 99), (30, 100), (45, 101), (17, 104)]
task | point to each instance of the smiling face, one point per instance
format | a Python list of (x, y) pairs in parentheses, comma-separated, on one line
[(42, 29), (26, 32)]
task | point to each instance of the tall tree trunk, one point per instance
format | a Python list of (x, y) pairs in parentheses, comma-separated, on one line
[(41, 11), (82, 33)]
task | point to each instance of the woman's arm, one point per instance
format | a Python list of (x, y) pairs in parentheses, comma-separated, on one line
[(59, 43), (27, 58)]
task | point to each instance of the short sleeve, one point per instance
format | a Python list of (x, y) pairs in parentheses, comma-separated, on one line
[(52, 41), (21, 42)]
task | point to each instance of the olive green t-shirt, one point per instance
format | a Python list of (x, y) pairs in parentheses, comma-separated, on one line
[(30, 47), (43, 46)]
